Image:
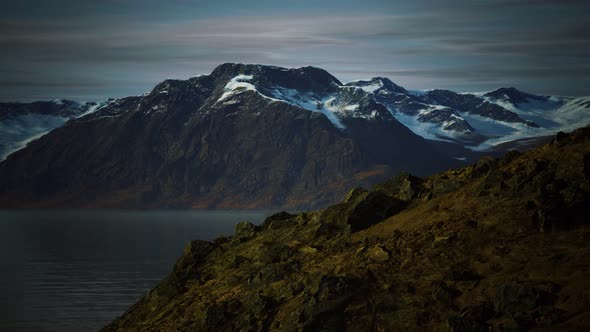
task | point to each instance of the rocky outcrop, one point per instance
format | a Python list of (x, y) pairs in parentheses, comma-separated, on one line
[(468, 257)]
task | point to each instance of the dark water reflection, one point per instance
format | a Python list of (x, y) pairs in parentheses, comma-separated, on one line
[(77, 270)]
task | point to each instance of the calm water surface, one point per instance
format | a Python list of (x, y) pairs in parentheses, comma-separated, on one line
[(78, 270)]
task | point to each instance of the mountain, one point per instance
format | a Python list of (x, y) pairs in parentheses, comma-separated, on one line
[(21, 123), (479, 121), (500, 245), (246, 136), (255, 136)]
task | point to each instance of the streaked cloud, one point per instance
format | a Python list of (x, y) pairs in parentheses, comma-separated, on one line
[(93, 50)]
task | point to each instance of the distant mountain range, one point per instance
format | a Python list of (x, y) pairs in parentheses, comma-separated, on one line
[(252, 136)]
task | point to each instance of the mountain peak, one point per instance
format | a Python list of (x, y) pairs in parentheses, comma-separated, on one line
[(512, 95), (303, 78), (377, 83)]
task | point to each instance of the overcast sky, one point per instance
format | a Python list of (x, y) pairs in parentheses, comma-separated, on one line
[(90, 49)]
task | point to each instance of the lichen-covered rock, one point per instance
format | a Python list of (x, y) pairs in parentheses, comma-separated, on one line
[(378, 253), (277, 220), (353, 194), (245, 230), (403, 186)]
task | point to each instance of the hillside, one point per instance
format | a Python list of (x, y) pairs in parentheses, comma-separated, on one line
[(502, 244)]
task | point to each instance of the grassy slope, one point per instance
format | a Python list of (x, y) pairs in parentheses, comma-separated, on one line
[(503, 244)]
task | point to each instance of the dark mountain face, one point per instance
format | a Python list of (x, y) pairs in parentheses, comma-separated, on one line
[(221, 141)]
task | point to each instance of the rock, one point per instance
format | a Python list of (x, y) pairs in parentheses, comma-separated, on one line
[(308, 250), (324, 309), (353, 194), (462, 275), (560, 139), (195, 253), (482, 167), (245, 230), (403, 186), (277, 220), (374, 208), (516, 298), (362, 212), (378, 253), (270, 273), (275, 253)]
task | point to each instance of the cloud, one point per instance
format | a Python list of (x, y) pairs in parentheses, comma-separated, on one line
[(128, 45)]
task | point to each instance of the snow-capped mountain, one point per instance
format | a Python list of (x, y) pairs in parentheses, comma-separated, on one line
[(21, 123), (478, 120), (260, 136), (245, 136)]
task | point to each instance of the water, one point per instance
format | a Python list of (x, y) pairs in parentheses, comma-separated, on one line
[(78, 270)]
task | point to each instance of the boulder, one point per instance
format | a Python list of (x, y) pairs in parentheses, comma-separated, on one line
[(374, 208), (362, 212), (378, 253), (353, 194), (403, 186), (277, 220), (245, 230)]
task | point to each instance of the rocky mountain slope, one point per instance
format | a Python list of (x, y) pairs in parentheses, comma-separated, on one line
[(500, 245), (223, 140), (21, 123)]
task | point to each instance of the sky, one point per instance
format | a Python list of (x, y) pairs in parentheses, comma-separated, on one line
[(92, 50)]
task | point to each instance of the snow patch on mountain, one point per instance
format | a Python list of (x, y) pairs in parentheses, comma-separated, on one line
[(308, 101), (371, 87), (236, 85)]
